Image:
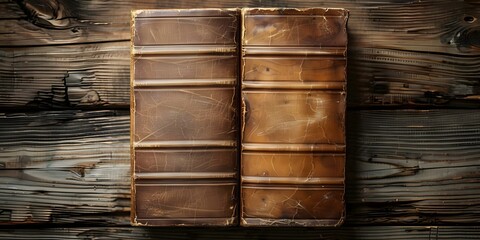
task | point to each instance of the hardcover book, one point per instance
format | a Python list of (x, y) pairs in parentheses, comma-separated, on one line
[(184, 117), (293, 117)]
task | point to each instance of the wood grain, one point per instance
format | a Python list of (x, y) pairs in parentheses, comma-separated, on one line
[(344, 233), (36, 77), (403, 167), (68, 76), (431, 24), (413, 167), (64, 167), (382, 77), (401, 54)]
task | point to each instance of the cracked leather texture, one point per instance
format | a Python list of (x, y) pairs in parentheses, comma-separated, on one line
[(211, 86), (293, 118), (185, 117)]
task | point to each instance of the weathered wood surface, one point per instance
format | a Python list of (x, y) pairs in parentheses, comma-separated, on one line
[(413, 167), (64, 167), (403, 167), (431, 25), (67, 76), (402, 53), (344, 233)]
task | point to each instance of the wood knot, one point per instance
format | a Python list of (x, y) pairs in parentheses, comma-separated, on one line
[(468, 39), (49, 14), (469, 19)]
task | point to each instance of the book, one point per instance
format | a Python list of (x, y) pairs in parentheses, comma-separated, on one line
[(185, 117), (293, 117)]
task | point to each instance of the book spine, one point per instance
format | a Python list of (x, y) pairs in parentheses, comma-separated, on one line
[(293, 117), (185, 117)]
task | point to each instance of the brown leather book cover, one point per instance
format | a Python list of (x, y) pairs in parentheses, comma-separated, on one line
[(184, 117), (293, 117)]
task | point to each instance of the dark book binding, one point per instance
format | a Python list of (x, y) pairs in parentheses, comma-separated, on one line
[(184, 117)]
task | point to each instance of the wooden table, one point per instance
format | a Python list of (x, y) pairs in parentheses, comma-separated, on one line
[(413, 144)]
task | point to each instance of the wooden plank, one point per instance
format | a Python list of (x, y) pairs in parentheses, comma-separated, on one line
[(64, 167), (414, 53), (344, 233), (413, 167), (403, 167), (86, 75), (382, 77), (432, 25), (10, 10), (69, 76), (59, 22), (431, 60)]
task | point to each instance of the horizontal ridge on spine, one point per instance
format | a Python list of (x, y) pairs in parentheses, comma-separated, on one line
[(184, 49), (185, 143), (184, 82), (294, 85), (288, 50), (293, 180), (184, 175), (299, 147)]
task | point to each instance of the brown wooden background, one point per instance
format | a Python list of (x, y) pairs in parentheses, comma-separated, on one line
[(413, 166)]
